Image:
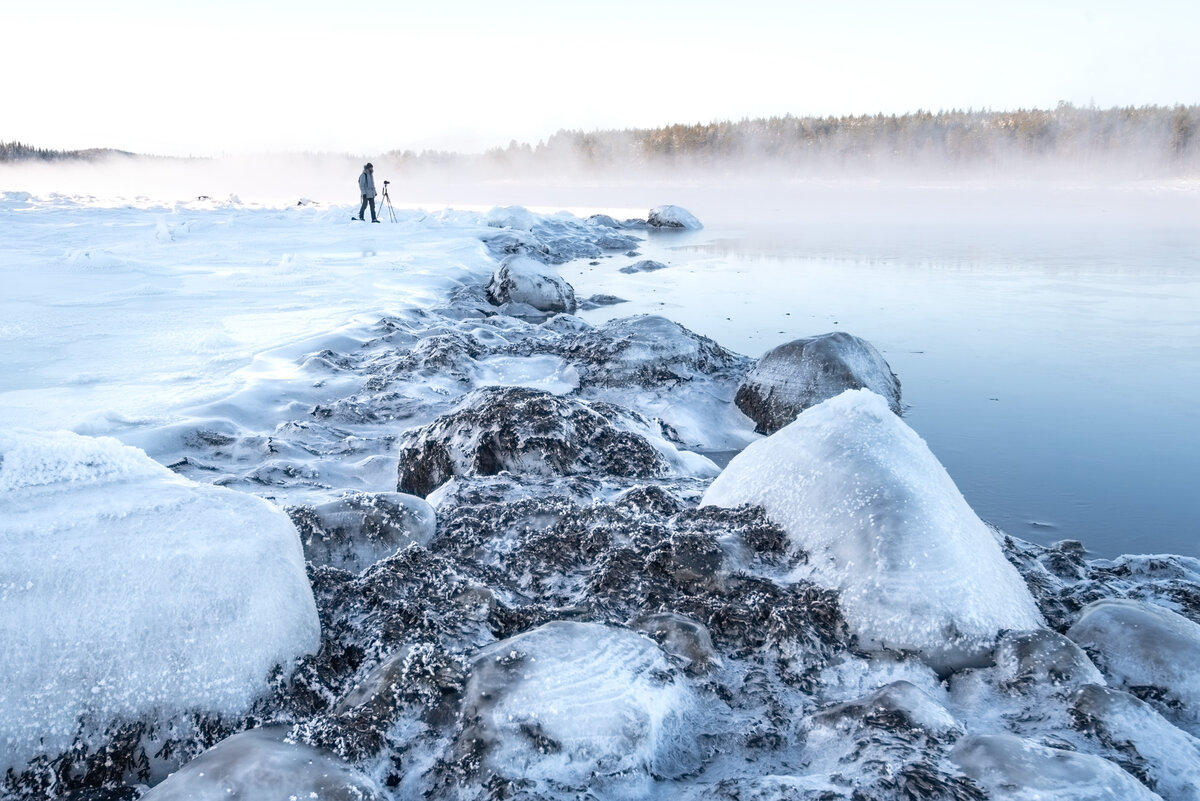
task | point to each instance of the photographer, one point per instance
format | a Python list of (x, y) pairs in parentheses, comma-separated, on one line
[(366, 188)]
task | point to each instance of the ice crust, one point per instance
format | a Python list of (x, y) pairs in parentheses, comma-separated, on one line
[(884, 525), (1142, 646), (262, 765), (130, 592), (1016, 769), (580, 705)]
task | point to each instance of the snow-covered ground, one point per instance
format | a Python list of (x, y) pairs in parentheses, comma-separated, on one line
[(571, 606)]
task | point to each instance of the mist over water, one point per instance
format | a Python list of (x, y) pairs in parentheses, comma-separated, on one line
[(1043, 322)]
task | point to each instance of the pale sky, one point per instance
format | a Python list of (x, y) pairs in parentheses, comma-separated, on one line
[(257, 76)]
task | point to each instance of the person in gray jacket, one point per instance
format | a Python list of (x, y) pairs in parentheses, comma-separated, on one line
[(366, 188)]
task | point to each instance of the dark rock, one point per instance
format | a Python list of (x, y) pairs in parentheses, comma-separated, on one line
[(802, 373), (521, 430)]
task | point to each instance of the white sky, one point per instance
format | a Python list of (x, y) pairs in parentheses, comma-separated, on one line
[(207, 77)]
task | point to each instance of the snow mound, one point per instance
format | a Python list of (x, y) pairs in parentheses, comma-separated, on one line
[(1016, 769), (673, 217), (1147, 650), (885, 526), (802, 373), (129, 592), (261, 765), (579, 705), (524, 280)]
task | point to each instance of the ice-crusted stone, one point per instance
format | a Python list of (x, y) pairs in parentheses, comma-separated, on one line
[(521, 279), (915, 568), (578, 705), (1014, 768), (1042, 659), (522, 430), (261, 764), (1147, 650), (647, 350), (131, 592), (684, 638), (673, 217), (644, 266), (802, 373), (517, 217), (358, 529), (898, 706), (1136, 737)]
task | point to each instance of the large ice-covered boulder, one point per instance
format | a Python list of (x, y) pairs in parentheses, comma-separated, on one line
[(261, 764), (915, 568), (579, 706), (1148, 650), (129, 592), (523, 280), (799, 374), (673, 217)]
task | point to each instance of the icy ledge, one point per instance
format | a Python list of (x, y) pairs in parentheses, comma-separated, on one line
[(884, 525), (130, 593)]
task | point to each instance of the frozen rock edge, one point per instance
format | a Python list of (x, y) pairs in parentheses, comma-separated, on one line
[(130, 592)]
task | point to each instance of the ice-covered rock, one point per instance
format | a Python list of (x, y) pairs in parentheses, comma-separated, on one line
[(647, 350), (261, 764), (1016, 769), (129, 592), (673, 217), (1042, 659), (643, 266), (579, 705), (898, 706), (1147, 650), (1140, 740), (684, 638), (799, 374), (358, 529), (523, 430), (521, 279), (664, 371), (516, 217), (915, 568)]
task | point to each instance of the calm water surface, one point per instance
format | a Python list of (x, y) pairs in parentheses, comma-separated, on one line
[(1053, 369)]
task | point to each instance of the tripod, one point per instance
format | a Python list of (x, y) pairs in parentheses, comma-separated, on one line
[(387, 201)]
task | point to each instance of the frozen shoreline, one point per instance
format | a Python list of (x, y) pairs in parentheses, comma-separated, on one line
[(565, 555)]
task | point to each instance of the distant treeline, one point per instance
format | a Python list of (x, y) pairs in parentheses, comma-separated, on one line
[(19, 151), (1145, 136)]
